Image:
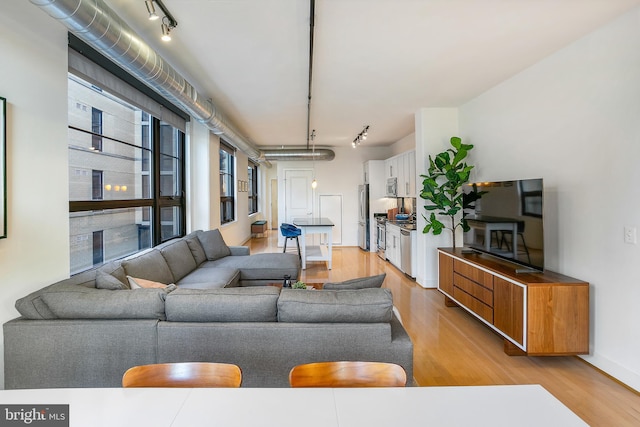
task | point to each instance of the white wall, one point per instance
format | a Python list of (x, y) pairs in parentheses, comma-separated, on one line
[(574, 120), (33, 79), (200, 156), (434, 129)]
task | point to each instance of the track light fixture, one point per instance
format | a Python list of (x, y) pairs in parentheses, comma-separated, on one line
[(166, 31), (360, 137), (152, 10), (168, 21)]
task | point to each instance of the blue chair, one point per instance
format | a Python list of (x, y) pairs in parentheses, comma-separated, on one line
[(290, 231)]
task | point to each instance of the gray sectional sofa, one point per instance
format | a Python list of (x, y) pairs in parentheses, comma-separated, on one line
[(196, 299)]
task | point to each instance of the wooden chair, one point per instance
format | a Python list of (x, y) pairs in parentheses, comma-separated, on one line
[(348, 374), (190, 374)]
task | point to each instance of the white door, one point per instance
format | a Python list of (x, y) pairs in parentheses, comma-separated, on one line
[(298, 194)]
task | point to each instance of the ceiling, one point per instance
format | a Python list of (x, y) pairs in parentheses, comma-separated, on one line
[(375, 62)]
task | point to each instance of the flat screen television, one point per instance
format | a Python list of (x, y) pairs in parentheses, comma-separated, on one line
[(506, 220)]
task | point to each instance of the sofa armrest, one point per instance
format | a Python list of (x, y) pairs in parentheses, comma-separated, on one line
[(239, 250)]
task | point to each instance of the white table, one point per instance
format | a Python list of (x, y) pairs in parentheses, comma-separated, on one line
[(495, 406), (315, 226)]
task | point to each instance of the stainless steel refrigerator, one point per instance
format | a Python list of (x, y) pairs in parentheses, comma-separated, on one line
[(363, 217)]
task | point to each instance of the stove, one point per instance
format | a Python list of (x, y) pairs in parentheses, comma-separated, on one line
[(381, 227)]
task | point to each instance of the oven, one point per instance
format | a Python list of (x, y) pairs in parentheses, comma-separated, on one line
[(381, 227)]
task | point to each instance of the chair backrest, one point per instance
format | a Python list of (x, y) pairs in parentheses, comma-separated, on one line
[(189, 374), (289, 230), (348, 374)]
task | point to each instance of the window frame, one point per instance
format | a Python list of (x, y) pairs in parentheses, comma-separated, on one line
[(155, 201), (252, 187), (228, 175)]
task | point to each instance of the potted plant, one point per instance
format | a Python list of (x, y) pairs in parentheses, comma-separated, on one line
[(299, 285), (442, 188)]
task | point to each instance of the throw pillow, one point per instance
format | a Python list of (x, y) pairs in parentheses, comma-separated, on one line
[(196, 249), (107, 281), (137, 283), (359, 283), (213, 244), (150, 265)]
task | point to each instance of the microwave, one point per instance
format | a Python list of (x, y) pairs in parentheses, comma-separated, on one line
[(392, 187)]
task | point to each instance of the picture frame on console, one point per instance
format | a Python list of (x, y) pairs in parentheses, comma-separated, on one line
[(3, 168)]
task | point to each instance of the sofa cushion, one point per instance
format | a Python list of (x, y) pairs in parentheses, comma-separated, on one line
[(179, 259), (359, 283), (107, 281), (105, 304), (115, 269), (349, 306), (208, 278), (32, 306), (137, 283), (255, 304), (196, 248), (267, 266), (150, 265), (213, 244)]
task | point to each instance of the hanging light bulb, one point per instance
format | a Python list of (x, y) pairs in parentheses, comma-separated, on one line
[(314, 184), (152, 10), (166, 36)]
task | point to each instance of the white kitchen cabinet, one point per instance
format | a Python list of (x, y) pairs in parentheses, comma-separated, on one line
[(393, 245), (373, 174), (403, 167), (391, 166), (409, 173)]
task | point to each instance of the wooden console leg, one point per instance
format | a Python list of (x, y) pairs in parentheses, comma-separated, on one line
[(512, 350), (448, 302)]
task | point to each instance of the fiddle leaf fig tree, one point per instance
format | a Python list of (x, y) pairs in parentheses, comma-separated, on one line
[(442, 189)]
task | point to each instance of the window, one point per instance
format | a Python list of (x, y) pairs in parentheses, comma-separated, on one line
[(227, 180), (252, 173), (96, 128), (98, 248), (127, 194), (96, 185)]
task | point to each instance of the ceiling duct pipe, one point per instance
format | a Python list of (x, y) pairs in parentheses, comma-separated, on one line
[(96, 24), (99, 26), (319, 154)]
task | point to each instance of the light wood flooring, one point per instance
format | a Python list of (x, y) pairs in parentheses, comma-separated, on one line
[(451, 348)]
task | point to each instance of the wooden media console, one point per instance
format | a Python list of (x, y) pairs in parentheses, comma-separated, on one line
[(537, 314)]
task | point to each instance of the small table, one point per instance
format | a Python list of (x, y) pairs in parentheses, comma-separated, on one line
[(315, 226), (309, 285)]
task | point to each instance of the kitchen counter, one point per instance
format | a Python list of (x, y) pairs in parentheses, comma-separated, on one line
[(407, 225)]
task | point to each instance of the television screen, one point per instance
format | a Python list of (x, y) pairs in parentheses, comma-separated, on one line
[(506, 220)]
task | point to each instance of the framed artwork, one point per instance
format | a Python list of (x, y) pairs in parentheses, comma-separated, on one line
[(3, 167)]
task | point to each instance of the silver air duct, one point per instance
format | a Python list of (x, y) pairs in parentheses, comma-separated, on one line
[(317, 154), (99, 26)]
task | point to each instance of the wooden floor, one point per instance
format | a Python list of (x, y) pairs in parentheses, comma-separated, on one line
[(452, 348)]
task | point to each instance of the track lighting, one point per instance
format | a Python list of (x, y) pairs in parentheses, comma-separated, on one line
[(166, 32), (152, 10), (168, 21), (360, 137)]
